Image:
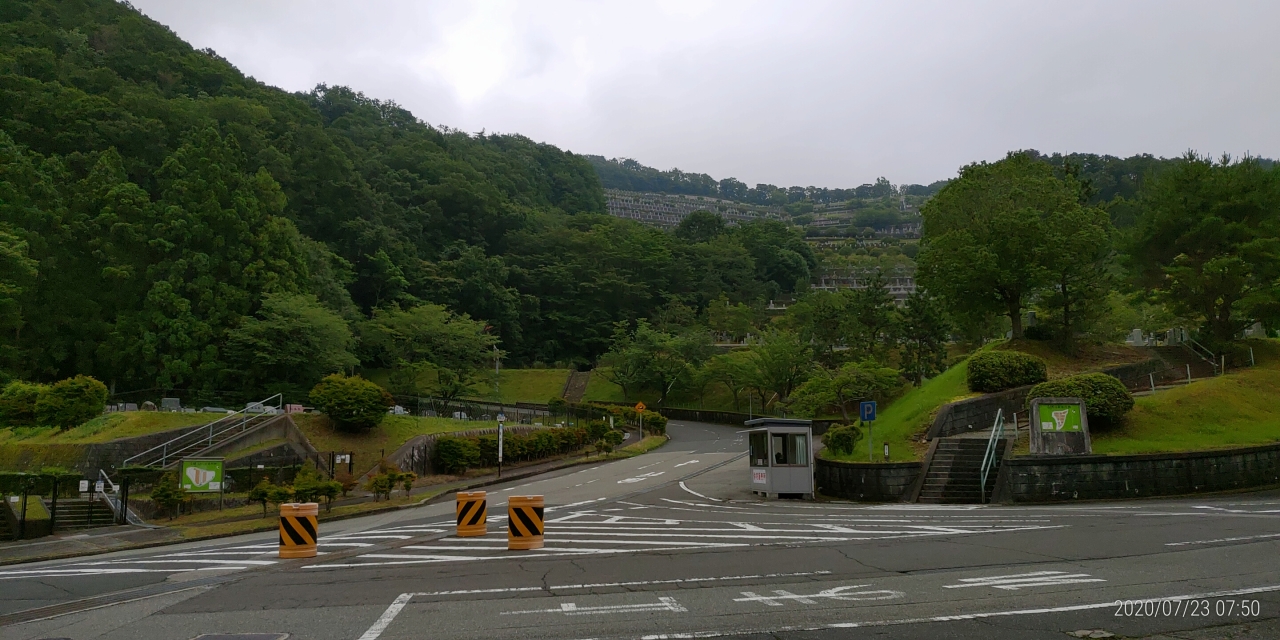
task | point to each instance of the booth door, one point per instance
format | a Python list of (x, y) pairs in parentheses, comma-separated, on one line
[(792, 469)]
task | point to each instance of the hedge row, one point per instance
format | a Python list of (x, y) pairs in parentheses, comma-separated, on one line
[(1106, 399), (454, 454), (992, 371), (654, 423), (13, 482)]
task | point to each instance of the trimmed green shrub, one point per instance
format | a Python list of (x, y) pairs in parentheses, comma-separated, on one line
[(353, 403), (992, 371), (842, 440), (18, 403), (1105, 398), (71, 402), (455, 455)]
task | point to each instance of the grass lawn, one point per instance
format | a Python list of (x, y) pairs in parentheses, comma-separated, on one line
[(111, 426), (909, 415), (1238, 409), (525, 385), (1089, 357), (387, 437)]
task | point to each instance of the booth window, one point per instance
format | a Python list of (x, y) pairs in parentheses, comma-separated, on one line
[(759, 449), (790, 449)]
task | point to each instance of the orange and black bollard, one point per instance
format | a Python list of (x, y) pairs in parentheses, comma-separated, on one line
[(473, 512), (524, 522), (298, 529)]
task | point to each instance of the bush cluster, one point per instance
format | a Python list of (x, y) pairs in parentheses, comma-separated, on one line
[(842, 440), (1106, 400), (63, 404), (353, 403), (456, 454), (654, 423), (992, 371)]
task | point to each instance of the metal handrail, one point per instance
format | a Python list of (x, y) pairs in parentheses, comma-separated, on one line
[(238, 420), (989, 458), (1200, 350)]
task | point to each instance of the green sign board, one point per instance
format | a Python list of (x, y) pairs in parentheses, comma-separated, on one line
[(201, 475), (1059, 418)]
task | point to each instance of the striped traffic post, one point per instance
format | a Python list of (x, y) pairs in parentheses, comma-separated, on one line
[(473, 514), (298, 529), (524, 522)]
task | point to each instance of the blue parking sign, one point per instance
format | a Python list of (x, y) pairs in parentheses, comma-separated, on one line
[(867, 410)]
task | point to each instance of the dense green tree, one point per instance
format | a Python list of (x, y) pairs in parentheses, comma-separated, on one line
[(700, 226), (921, 331), (842, 387), (1208, 242), (870, 318), (288, 346), (782, 362), (428, 340), (984, 238)]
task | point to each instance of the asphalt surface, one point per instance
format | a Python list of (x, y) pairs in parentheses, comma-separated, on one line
[(671, 544)]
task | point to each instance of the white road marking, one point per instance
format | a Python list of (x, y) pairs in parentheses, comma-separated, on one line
[(684, 463), (846, 594), (387, 616), (642, 477), (686, 488), (952, 618), (1025, 580), (664, 603), (1218, 540)]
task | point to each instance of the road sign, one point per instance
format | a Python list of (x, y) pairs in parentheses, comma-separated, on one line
[(640, 406), (201, 475), (502, 417), (867, 410)]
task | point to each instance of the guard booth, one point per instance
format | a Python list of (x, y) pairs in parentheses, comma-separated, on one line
[(780, 453)]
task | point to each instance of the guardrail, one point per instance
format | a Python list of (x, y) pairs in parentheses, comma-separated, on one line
[(989, 458), (240, 421)]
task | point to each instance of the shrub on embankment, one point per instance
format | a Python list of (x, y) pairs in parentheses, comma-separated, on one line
[(353, 403), (992, 371), (63, 404), (1106, 400)]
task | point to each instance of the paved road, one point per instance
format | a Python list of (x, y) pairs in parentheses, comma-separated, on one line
[(670, 544)]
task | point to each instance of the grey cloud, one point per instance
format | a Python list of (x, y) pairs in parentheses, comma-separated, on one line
[(828, 94)]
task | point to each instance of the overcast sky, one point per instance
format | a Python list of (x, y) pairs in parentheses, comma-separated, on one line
[(808, 93)]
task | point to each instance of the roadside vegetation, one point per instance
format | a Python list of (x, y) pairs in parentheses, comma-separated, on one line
[(108, 427)]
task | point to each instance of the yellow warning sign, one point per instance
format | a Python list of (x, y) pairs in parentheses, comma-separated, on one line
[(640, 406)]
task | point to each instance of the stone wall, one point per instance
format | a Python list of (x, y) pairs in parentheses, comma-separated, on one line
[(882, 482), (1096, 477), (976, 414)]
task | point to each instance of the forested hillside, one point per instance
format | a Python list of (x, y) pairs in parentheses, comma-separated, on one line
[(167, 222)]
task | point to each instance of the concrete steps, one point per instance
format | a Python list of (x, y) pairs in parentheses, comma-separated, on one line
[(954, 475), (82, 513), (576, 386)]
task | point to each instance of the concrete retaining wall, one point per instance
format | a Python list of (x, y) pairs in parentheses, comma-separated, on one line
[(1057, 478), (85, 458), (884, 482), (976, 414)]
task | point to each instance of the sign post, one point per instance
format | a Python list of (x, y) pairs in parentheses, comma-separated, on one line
[(201, 475), (501, 419), (640, 412), (1059, 426), (867, 413)]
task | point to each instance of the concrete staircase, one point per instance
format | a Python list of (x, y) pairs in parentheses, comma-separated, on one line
[(83, 513), (576, 386), (195, 442), (5, 532), (955, 471)]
